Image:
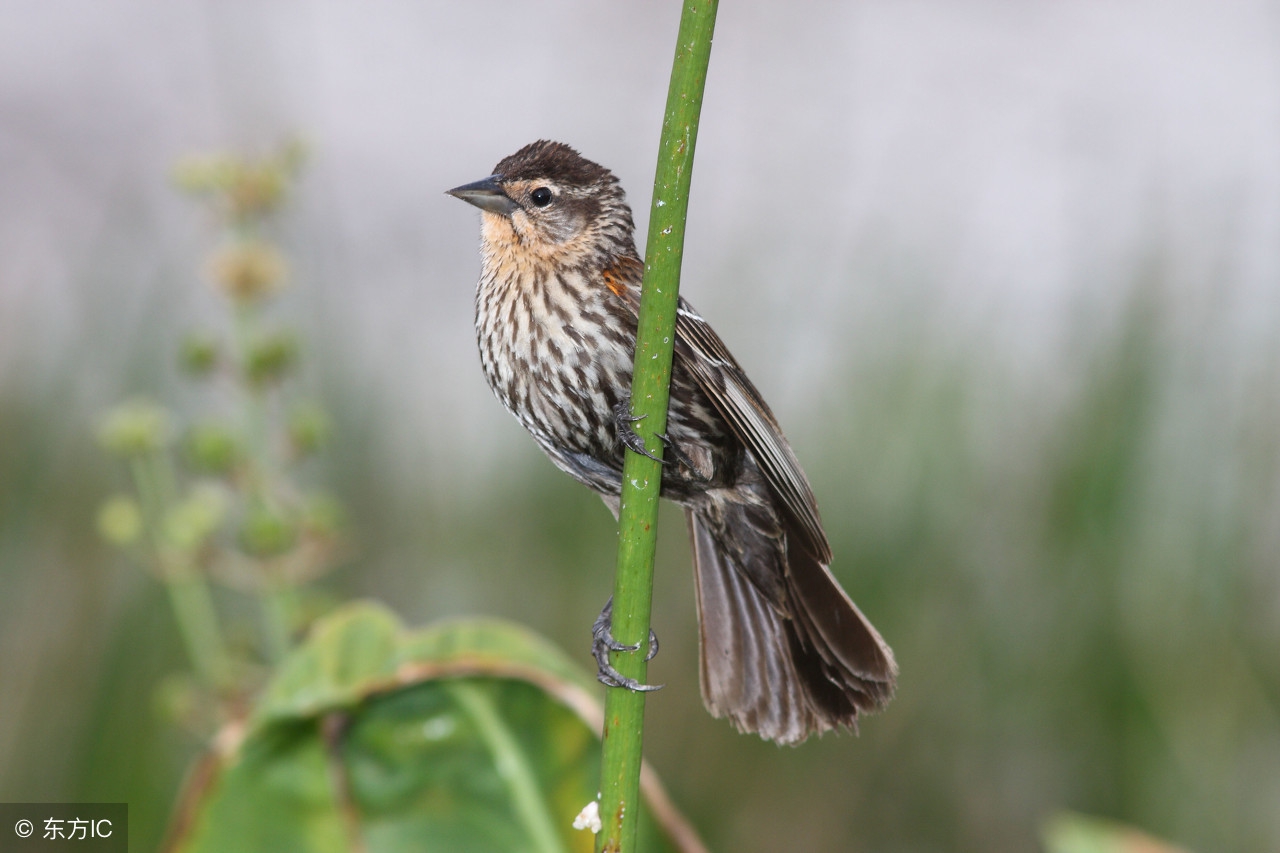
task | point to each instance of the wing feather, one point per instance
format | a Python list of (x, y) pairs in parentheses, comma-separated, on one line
[(706, 358), (723, 380)]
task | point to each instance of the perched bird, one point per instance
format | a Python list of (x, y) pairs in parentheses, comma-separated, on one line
[(784, 652)]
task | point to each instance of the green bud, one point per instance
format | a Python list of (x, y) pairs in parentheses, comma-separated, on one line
[(213, 448), (308, 428), (246, 189), (120, 520), (267, 532), (135, 428), (203, 174), (196, 518), (270, 358), (199, 354)]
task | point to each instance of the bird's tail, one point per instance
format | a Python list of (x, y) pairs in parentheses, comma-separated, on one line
[(785, 652)]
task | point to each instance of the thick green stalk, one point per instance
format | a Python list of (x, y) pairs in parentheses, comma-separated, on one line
[(650, 388)]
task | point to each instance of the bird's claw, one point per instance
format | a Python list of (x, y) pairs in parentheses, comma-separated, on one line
[(603, 642), (623, 419), (679, 456)]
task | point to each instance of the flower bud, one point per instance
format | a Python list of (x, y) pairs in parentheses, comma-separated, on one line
[(201, 174), (266, 532), (135, 428), (120, 520), (270, 358), (247, 189), (249, 270), (257, 190), (213, 448), (196, 518), (198, 355)]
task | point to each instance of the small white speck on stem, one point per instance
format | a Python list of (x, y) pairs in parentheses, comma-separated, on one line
[(589, 818)]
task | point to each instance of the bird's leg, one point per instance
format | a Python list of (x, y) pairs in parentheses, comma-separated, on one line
[(602, 642), (623, 420), (680, 456)]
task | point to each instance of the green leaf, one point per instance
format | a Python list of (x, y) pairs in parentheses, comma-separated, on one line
[(1074, 833), (348, 655), (470, 735)]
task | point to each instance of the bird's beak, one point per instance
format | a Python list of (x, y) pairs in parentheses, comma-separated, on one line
[(486, 195)]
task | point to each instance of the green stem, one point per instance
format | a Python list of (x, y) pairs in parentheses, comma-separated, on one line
[(198, 623), (189, 594), (279, 603), (650, 389), (512, 765), (255, 405), (277, 600), (149, 495)]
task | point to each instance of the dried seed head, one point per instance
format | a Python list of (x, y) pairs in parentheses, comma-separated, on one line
[(249, 270)]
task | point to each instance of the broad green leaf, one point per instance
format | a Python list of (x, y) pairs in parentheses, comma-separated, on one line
[(465, 736), (1073, 833), (347, 656)]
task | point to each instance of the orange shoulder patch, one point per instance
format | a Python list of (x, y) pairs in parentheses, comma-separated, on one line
[(611, 282), (615, 277)]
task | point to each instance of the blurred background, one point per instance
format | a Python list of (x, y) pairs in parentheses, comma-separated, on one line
[(1007, 272)]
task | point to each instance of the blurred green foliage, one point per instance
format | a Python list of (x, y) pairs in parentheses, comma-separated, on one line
[(462, 736), (1069, 833), (1077, 577), (233, 514)]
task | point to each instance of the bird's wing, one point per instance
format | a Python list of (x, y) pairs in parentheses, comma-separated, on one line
[(725, 383), (701, 352)]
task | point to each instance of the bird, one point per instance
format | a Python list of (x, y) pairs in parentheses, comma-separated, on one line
[(784, 651)]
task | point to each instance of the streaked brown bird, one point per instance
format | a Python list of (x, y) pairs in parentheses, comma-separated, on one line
[(784, 652)]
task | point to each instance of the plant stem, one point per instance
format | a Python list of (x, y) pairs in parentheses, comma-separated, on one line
[(278, 601), (198, 623), (650, 389), (255, 406), (189, 594), (276, 598)]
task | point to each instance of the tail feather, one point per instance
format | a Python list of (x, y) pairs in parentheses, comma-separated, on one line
[(785, 652), (743, 675), (850, 647)]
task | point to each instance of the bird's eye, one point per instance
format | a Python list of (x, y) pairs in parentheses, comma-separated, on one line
[(541, 197)]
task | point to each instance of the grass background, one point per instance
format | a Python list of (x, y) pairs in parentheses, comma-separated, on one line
[(1007, 276)]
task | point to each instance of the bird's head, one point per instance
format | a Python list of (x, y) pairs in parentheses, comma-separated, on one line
[(549, 200)]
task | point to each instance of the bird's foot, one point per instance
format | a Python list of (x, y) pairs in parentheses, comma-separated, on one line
[(623, 419), (602, 642), (679, 456)]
